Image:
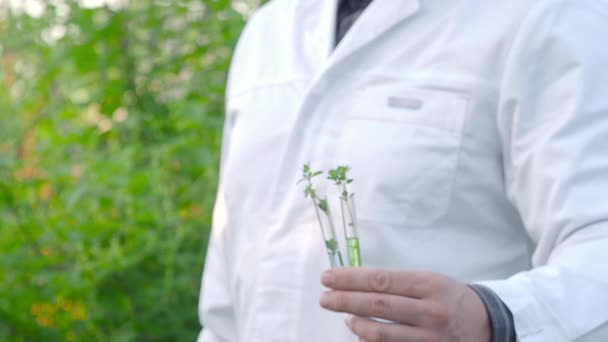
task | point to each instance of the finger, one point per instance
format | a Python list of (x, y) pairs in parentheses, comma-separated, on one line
[(414, 312), (402, 283), (372, 331)]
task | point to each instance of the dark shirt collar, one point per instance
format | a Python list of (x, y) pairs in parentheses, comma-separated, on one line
[(348, 12), (354, 5)]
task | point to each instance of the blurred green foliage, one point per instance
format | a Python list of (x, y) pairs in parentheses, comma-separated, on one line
[(110, 128)]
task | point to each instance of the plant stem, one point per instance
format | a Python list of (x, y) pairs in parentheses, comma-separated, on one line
[(314, 200)]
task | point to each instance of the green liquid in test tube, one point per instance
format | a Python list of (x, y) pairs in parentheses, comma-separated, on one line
[(349, 221)]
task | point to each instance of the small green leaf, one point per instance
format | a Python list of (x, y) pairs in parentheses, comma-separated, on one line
[(331, 245), (307, 168), (308, 191), (323, 205)]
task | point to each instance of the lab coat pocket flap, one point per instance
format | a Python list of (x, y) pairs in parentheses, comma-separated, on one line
[(432, 107)]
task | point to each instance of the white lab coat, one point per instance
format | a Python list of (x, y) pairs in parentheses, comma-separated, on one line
[(477, 133)]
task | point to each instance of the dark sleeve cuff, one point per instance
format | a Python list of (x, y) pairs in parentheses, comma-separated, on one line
[(501, 318)]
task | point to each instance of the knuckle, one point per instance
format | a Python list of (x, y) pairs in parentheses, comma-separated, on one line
[(433, 337), (339, 279), (380, 307), (429, 280), (437, 316), (377, 335), (436, 282), (339, 301), (355, 324), (423, 283), (380, 281)]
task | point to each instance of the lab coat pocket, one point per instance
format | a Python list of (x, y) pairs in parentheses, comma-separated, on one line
[(403, 143)]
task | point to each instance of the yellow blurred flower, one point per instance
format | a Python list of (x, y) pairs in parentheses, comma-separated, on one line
[(79, 313), (29, 172), (77, 171), (46, 191), (45, 251), (192, 211), (70, 336), (65, 304), (45, 321), (36, 309)]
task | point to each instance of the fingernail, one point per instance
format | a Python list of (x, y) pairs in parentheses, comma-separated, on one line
[(348, 320), (324, 299), (327, 278)]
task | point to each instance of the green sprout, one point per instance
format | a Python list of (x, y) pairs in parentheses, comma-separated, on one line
[(309, 190), (327, 229), (340, 177)]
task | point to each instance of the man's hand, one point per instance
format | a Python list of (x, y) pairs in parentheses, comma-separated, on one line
[(424, 306)]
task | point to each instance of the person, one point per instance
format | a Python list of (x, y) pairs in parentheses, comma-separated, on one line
[(477, 136)]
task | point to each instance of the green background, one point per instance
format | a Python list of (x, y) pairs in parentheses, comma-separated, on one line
[(110, 129)]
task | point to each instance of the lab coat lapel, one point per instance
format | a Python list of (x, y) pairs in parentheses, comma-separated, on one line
[(317, 35), (318, 21), (377, 19)]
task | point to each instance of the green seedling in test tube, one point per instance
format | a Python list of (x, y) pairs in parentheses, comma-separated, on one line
[(349, 216), (323, 216)]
